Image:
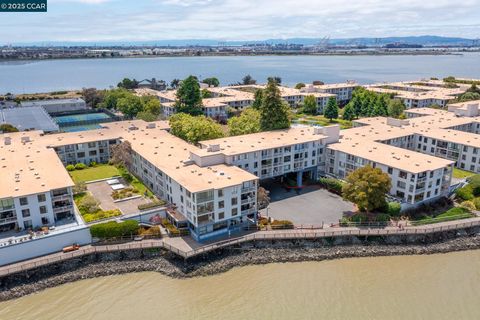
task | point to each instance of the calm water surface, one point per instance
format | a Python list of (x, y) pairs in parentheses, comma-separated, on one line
[(410, 287), (51, 75)]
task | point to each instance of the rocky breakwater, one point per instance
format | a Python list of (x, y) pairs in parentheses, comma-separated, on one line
[(258, 252)]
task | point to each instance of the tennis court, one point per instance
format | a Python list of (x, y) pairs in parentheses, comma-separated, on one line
[(81, 118)]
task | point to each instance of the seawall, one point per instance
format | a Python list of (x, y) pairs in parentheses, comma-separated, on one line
[(221, 260)]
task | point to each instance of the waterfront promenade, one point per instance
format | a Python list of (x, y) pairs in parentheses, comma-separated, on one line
[(185, 248)]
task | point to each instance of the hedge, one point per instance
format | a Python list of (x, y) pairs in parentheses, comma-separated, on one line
[(150, 205), (331, 184), (394, 209), (114, 229), (80, 166)]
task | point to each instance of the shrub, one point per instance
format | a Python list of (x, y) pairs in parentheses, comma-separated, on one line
[(152, 231), (150, 205), (465, 193), (469, 205), (359, 218), (88, 204), (80, 166), (344, 222), (476, 202), (281, 224), (79, 187), (394, 209), (99, 215), (70, 167), (93, 164), (382, 217), (113, 229), (331, 184)]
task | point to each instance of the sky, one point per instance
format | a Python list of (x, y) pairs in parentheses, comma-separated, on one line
[(141, 20)]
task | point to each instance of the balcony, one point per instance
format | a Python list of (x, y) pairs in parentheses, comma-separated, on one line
[(8, 220), (58, 209), (248, 211)]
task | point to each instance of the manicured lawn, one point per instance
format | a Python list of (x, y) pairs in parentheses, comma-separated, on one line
[(461, 174), (94, 173)]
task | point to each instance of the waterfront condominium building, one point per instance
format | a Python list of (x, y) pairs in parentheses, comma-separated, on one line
[(422, 93), (212, 188)]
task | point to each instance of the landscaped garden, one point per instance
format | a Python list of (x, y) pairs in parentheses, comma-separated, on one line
[(89, 208), (94, 172), (321, 121), (461, 174)]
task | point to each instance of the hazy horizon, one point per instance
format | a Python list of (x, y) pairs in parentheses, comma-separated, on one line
[(240, 20)]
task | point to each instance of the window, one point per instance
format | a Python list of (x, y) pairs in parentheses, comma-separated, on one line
[(390, 170), (41, 198), (234, 201), (23, 201), (44, 220), (221, 215), (25, 213), (234, 212), (221, 204), (92, 153), (81, 155), (27, 224), (43, 209)]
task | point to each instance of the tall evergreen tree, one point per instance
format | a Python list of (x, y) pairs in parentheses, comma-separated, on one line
[(274, 112), (257, 102), (349, 112), (331, 110), (189, 97)]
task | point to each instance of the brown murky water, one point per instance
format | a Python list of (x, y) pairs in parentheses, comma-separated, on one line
[(407, 287)]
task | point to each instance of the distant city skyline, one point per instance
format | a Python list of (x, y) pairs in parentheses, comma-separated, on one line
[(224, 20)]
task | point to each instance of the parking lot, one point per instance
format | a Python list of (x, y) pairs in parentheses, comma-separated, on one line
[(311, 206)]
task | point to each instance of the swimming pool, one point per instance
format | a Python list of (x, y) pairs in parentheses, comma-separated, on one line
[(80, 127)]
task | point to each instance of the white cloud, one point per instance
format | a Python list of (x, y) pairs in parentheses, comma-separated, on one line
[(243, 19)]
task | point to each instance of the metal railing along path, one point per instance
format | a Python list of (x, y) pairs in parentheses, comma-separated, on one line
[(288, 234)]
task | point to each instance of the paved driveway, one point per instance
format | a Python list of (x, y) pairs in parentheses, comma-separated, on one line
[(311, 206)]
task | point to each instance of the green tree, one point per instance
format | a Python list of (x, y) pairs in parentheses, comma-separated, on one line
[(247, 122), (474, 89), (257, 102), (213, 82), (112, 96), (331, 110), (6, 127), (194, 128), (130, 105), (175, 83), (274, 111), (310, 105), (349, 112), (146, 116), (395, 108), (93, 97), (366, 187), (380, 106), (277, 80), (126, 83), (189, 98), (206, 94), (248, 80), (152, 106), (299, 85)]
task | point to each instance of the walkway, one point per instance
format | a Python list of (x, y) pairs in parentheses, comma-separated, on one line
[(186, 248)]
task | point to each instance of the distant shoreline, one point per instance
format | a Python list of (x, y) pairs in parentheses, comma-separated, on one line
[(259, 253), (340, 54)]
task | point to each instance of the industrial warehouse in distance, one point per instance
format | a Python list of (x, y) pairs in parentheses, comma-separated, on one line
[(210, 189)]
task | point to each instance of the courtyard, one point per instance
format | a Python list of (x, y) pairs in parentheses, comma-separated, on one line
[(310, 206)]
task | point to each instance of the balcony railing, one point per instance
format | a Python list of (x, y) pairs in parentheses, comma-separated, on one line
[(63, 196), (62, 208), (7, 220)]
